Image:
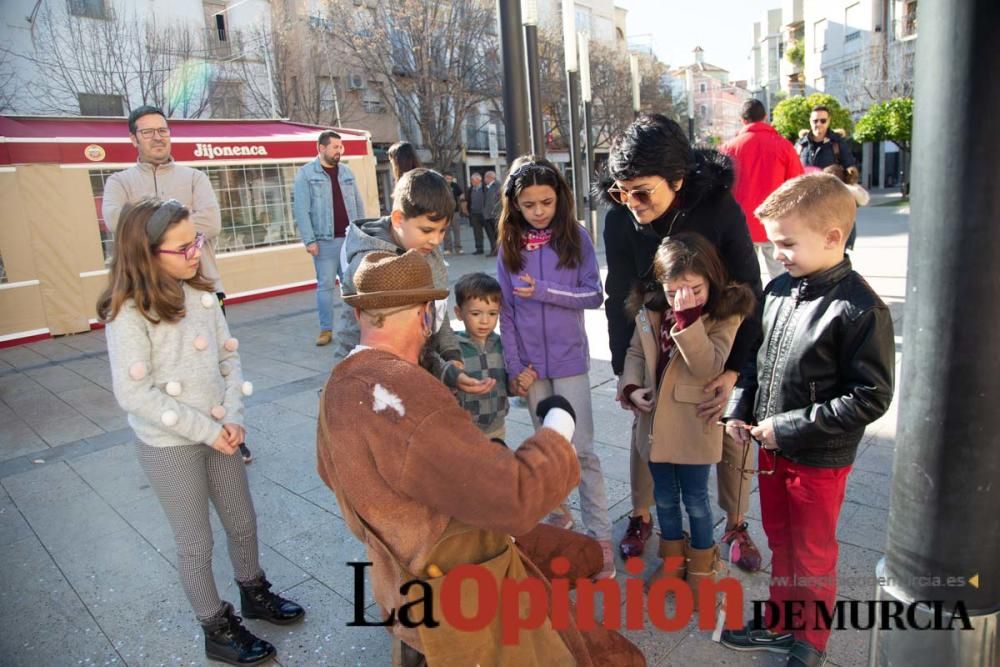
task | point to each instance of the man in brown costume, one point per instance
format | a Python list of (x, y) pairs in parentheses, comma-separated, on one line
[(426, 491)]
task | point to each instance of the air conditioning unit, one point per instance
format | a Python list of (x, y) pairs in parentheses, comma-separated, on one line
[(355, 82)]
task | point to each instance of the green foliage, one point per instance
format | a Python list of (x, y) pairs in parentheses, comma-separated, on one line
[(888, 121), (792, 114), (796, 53)]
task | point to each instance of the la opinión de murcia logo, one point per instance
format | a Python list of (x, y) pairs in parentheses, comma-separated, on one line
[(210, 151), (505, 598)]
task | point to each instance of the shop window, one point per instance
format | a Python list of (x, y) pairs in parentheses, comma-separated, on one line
[(100, 105), (256, 205), (255, 202)]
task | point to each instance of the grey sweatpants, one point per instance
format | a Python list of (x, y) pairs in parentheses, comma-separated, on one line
[(593, 497), (185, 478)]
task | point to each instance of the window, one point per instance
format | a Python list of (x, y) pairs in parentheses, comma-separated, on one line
[(326, 89), (702, 88), (3, 271), (819, 84), (908, 19), (100, 105), (703, 111), (852, 23), (582, 19), (226, 99), (216, 32), (819, 36), (91, 9)]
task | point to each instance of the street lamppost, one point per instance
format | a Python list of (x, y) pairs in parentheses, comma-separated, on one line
[(689, 84), (529, 15), (633, 61), (573, 89), (515, 88), (583, 46)]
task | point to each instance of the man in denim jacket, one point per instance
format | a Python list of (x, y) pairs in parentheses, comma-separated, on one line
[(325, 202)]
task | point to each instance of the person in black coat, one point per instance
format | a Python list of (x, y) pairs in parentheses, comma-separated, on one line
[(660, 186)]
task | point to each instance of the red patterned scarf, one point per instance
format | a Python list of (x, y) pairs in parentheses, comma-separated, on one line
[(533, 239)]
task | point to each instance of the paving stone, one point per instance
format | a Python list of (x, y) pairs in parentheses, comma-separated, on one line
[(293, 466), (868, 488), (323, 497), (324, 552), (17, 438), (865, 528), (282, 514), (323, 637), (274, 419), (13, 527), (33, 595), (87, 519), (115, 474), (21, 357), (58, 379), (48, 484), (98, 405), (304, 402), (54, 350), (68, 428)]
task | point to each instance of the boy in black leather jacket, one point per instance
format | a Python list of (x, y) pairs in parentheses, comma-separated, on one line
[(823, 372)]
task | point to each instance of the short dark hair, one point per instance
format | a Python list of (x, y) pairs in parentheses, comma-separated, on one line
[(653, 145), (326, 135), (477, 286), (753, 111), (424, 192), (821, 107), (139, 112)]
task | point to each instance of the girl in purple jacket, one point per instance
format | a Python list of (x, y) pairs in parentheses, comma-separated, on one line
[(548, 275)]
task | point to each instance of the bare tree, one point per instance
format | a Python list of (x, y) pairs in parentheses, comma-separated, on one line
[(8, 80), (882, 72), (433, 62), (138, 60)]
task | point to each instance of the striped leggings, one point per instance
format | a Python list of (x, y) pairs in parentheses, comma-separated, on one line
[(184, 479)]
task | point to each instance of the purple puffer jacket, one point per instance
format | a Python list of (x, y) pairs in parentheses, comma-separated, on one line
[(546, 330)]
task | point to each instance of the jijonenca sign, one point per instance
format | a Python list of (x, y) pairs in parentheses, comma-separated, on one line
[(210, 151), (504, 598)]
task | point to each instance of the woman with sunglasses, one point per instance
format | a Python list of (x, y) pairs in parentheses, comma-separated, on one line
[(660, 186), (176, 372)]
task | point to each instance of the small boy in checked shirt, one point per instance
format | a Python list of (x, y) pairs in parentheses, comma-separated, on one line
[(477, 298)]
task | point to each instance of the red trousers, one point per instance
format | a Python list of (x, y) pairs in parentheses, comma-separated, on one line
[(800, 506)]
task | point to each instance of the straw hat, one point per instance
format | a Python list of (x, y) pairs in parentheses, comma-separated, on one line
[(386, 280)]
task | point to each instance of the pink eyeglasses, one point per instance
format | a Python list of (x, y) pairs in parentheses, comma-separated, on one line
[(190, 250)]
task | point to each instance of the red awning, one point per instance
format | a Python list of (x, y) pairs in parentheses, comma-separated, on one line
[(93, 141)]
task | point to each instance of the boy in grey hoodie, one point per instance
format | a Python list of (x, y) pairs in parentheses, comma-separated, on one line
[(422, 206)]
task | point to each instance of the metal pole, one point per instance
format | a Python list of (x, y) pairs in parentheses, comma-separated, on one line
[(943, 519), (529, 14), (576, 159), (534, 90), (587, 164), (633, 61), (570, 60), (515, 87)]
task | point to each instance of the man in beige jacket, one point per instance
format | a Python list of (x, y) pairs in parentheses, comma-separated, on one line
[(155, 174)]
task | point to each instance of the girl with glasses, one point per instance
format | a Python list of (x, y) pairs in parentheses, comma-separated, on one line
[(176, 372), (660, 186)]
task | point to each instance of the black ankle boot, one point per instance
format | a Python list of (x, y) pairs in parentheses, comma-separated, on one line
[(257, 601), (228, 641)]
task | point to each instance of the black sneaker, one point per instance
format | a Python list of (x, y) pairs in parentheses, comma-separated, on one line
[(804, 654), (753, 638), (245, 453)]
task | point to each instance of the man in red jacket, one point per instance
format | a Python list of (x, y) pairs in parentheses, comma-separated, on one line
[(763, 160)]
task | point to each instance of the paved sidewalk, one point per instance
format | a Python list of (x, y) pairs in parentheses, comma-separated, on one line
[(87, 564)]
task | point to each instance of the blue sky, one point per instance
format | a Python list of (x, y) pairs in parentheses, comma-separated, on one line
[(723, 28)]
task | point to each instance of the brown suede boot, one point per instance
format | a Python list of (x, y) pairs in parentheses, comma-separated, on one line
[(673, 549), (701, 564)]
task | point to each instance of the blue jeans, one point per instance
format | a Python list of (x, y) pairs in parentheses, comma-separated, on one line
[(327, 264), (670, 482)]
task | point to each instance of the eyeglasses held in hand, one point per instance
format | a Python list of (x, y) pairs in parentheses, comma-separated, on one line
[(643, 196), (150, 131), (189, 250)]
